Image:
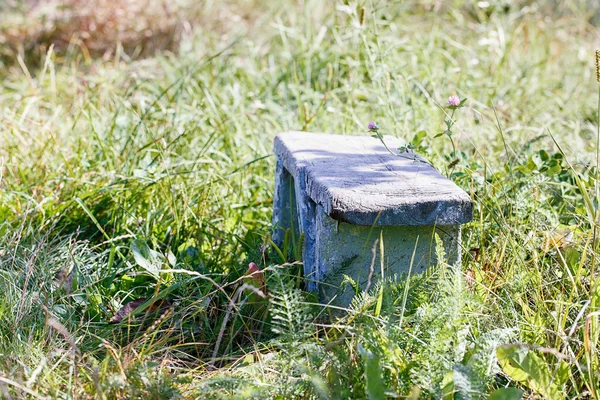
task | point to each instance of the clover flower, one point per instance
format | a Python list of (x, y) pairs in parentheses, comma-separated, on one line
[(373, 126), (453, 101)]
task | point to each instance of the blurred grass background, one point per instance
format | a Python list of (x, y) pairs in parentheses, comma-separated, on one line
[(135, 142)]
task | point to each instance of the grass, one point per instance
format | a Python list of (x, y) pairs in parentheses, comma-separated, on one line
[(126, 178)]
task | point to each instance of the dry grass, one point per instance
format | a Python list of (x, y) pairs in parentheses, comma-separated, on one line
[(103, 28)]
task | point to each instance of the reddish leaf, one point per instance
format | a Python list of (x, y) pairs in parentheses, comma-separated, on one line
[(256, 277), (130, 307)]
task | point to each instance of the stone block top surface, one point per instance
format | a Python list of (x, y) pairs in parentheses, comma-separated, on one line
[(358, 181)]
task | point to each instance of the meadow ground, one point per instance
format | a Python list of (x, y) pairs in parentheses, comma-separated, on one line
[(135, 164)]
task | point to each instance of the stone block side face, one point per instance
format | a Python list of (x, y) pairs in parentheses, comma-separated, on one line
[(345, 249), (306, 209), (284, 204), (294, 210)]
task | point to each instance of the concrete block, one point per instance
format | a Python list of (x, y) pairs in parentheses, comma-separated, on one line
[(341, 192)]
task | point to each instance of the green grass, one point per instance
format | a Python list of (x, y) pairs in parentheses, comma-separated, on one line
[(130, 178)]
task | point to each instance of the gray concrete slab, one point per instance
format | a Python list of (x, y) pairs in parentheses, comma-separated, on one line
[(357, 181)]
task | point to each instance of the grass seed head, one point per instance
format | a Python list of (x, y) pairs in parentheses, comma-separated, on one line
[(598, 65)]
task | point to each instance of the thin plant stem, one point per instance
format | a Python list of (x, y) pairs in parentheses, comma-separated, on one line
[(450, 136), (595, 214), (400, 155)]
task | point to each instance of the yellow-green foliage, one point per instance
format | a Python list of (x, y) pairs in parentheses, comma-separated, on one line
[(135, 164)]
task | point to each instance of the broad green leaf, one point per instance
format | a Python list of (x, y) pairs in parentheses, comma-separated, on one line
[(145, 257), (448, 386), (418, 138), (529, 369), (375, 387), (171, 258), (509, 393)]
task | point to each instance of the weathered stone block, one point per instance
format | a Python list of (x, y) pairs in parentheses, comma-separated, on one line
[(342, 192)]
